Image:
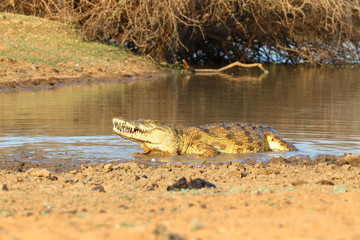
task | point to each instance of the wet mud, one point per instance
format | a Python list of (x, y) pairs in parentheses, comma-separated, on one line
[(56, 82)]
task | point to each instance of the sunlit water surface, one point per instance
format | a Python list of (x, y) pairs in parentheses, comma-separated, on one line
[(317, 109)]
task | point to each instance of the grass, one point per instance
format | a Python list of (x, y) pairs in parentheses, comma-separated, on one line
[(339, 189), (45, 43), (196, 225), (124, 225), (40, 41)]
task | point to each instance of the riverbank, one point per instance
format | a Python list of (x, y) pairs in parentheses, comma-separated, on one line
[(295, 198), (36, 53)]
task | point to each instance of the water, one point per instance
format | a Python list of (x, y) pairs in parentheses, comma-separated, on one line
[(317, 109)]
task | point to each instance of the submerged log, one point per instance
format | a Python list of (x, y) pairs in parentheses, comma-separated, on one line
[(219, 70)]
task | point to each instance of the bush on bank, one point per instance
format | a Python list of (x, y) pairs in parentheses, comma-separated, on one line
[(290, 31)]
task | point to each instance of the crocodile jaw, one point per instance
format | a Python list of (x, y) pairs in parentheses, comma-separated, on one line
[(130, 130), (152, 136)]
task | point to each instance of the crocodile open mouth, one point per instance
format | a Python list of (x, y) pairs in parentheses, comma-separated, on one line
[(124, 128)]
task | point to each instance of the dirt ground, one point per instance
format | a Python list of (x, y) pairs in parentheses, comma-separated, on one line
[(295, 198)]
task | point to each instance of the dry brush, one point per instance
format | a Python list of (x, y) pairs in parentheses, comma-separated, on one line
[(292, 31)]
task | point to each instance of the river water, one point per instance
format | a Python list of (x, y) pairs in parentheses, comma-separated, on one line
[(318, 109)]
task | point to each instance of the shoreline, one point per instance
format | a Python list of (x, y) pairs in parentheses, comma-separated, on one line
[(57, 82), (59, 165)]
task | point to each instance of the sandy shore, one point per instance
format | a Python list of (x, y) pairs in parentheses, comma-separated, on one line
[(294, 198)]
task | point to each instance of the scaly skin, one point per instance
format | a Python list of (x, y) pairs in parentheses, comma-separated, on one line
[(206, 140)]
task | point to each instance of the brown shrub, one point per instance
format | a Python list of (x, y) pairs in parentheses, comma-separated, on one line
[(312, 31)]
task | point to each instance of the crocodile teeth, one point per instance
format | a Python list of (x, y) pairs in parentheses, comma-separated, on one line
[(130, 129), (125, 128)]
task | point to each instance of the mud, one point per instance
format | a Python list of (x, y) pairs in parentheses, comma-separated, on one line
[(55, 82), (295, 198)]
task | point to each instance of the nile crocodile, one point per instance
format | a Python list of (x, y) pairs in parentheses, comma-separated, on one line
[(206, 140)]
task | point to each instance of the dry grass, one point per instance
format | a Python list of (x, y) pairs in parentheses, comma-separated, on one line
[(33, 48), (310, 31)]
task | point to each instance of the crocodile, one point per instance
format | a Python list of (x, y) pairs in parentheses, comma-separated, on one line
[(206, 140)]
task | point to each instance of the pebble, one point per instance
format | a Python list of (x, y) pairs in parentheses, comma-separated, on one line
[(98, 189), (36, 172), (5, 188), (108, 167), (197, 183)]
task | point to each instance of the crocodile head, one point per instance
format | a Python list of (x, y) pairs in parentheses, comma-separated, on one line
[(153, 136), (277, 144)]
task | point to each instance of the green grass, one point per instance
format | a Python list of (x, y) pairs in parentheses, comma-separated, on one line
[(124, 225), (339, 189)]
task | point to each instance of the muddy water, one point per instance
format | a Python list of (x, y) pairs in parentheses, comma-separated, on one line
[(317, 109)]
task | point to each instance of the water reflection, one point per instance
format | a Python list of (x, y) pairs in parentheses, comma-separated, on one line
[(317, 109)]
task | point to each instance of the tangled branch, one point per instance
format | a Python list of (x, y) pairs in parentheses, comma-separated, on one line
[(293, 31)]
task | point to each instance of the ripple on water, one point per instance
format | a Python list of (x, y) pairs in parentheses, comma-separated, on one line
[(317, 109)]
